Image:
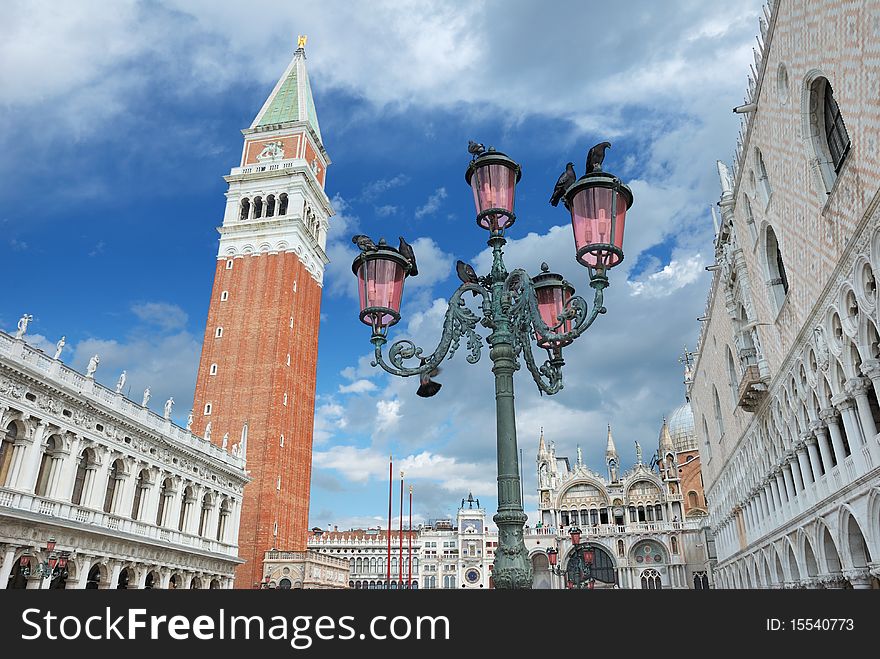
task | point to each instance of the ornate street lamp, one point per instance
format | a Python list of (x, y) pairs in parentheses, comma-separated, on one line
[(579, 571), (516, 308)]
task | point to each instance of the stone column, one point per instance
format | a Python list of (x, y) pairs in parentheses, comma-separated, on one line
[(871, 368), (172, 512), (83, 573), (28, 466), (787, 479), (858, 389), (803, 460), (64, 490), (813, 453), (859, 578), (794, 466), (776, 489), (852, 426), (151, 498), (6, 567), (114, 576), (98, 485), (830, 415), (53, 491), (129, 488), (821, 431)]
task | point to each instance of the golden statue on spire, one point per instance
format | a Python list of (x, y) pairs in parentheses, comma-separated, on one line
[(301, 41)]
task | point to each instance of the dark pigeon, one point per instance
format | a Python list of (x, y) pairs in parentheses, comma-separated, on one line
[(427, 387), (596, 157), (364, 243), (466, 273), (406, 251), (566, 179), (475, 148)]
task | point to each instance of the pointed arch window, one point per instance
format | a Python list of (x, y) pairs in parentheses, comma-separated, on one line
[(719, 419), (763, 182), (732, 376), (777, 280), (750, 218)]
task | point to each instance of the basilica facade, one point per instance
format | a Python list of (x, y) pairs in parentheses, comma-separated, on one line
[(646, 527), (787, 374)]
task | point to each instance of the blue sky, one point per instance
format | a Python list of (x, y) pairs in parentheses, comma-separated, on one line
[(118, 121)]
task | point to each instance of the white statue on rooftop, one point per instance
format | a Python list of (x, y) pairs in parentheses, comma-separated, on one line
[(147, 396), (225, 441), (22, 325), (189, 420), (120, 383), (208, 432), (168, 405), (724, 176), (93, 366), (59, 347)]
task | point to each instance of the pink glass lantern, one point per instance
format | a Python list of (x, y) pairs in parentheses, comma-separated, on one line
[(553, 293), (552, 556), (380, 274), (598, 203), (493, 178), (575, 536), (589, 555)]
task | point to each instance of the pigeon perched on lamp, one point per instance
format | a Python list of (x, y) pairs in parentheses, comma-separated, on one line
[(406, 251), (596, 156), (565, 179), (475, 148), (466, 273), (364, 243)]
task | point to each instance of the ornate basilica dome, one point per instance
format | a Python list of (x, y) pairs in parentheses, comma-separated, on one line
[(681, 428)]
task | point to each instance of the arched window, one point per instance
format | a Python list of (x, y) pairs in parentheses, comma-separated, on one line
[(733, 377), (282, 203), (719, 420), (674, 543), (651, 580), (708, 442), (692, 499), (49, 464), (85, 463), (777, 280), (827, 130), (621, 550), (763, 181), (258, 207), (7, 442), (245, 209), (270, 205), (750, 218), (701, 581), (658, 513), (114, 484)]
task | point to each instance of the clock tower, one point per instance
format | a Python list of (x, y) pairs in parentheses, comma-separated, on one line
[(255, 389)]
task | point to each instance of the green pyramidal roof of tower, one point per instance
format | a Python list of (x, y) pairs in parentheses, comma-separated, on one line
[(291, 99)]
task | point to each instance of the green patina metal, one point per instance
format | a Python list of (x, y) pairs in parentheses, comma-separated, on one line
[(285, 105)]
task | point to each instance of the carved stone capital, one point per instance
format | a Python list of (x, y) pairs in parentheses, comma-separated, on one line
[(828, 415), (871, 368), (858, 386), (842, 402)]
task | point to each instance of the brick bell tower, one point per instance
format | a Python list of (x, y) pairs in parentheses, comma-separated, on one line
[(255, 391)]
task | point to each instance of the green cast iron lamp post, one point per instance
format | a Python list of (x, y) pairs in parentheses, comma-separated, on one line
[(516, 308)]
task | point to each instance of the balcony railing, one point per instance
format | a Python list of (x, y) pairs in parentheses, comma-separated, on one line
[(12, 501)]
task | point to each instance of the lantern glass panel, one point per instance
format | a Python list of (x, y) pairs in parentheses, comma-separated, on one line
[(494, 186), (593, 224), (380, 284), (551, 302)]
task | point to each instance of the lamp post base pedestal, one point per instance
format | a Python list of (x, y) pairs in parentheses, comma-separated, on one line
[(512, 569)]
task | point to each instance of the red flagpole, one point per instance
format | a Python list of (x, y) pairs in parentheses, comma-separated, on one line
[(409, 575), (400, 533), (390, 491)]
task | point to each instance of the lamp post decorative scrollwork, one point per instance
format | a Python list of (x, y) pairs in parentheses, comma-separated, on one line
[(515, 307), (579, 571)]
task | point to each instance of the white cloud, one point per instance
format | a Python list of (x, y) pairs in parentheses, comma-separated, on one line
[(432, 205), (385, 211), (166, 316), (673, 276), (357, 387), (387, 414), (375, 189)]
